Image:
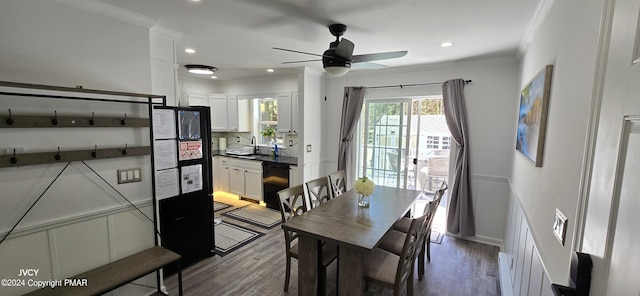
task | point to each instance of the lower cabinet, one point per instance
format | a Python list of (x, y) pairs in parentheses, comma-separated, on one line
[(245, 178), (294, 176), (221, 174)]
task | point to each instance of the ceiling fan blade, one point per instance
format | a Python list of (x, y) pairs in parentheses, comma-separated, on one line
[(296, 51), (367, 65), (345, 49), (378, 56), (301, 61)]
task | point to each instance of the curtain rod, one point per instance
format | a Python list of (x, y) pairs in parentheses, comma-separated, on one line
[(414, 84)]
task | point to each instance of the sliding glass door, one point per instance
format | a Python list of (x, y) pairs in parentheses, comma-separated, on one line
[(404, 143)]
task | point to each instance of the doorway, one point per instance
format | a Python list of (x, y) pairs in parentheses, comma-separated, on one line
[(404, 143)]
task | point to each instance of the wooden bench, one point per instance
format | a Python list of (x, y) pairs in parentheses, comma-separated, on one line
[(118, 273)]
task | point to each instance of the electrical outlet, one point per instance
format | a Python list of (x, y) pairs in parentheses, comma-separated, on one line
[(290, 143), (308, 148)]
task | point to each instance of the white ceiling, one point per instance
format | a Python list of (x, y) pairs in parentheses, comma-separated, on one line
[(236, 36)]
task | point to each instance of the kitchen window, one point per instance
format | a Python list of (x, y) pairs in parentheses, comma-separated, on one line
[(265, 114)]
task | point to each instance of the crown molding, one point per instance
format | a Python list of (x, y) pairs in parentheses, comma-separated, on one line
[(112, 11), (538, 17), (165, 32)]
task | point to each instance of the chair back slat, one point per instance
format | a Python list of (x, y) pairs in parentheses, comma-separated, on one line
[(338, 183), (318, 191), (411, 247)]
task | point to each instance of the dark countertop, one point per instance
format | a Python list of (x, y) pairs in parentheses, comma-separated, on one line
[(258, 157)]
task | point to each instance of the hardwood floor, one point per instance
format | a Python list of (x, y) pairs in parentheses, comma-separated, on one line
[(458, 267)]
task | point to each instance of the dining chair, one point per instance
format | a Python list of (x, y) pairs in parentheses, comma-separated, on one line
[(392, 240), (292, 204), (318, 191), (396, 270), (338, 182)]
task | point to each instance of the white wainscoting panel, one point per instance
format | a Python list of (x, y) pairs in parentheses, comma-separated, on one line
[(520, 262), (77, 244)]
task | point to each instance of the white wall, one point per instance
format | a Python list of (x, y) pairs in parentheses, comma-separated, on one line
[(567, 38), (310, 123), (491, 101), (78, 224)]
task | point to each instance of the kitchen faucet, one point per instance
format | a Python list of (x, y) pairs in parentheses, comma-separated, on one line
[(255, 144)]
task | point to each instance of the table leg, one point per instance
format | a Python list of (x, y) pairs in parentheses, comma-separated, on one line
[(308, 265), (350, 272)]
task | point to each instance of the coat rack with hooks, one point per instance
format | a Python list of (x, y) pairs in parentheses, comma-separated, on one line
[(29, 121), (22, 159)]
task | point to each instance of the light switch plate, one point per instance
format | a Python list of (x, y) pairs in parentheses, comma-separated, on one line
[(560, 226), (129, 175)]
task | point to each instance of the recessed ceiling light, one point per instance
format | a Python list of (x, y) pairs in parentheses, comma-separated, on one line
[(214, 77), (270, 70), (201, 69), (446, 44), (189, 50)]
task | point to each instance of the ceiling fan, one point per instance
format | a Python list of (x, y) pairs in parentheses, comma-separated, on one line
[(338, 58)]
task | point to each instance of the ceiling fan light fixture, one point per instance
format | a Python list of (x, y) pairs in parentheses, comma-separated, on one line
[(336, 70), (201, 69)]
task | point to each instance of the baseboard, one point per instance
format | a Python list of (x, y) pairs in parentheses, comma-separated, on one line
[(479, 239), (506, 288)]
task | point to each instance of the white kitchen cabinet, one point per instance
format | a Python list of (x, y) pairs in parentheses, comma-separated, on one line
[(245, 178), (198, 99), (221, 174), (288, 113), (236, 181), (219, 113), (294, 176), (253, 184), (229, 114)]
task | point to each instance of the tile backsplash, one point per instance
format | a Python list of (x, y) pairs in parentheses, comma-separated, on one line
[(235, 140)]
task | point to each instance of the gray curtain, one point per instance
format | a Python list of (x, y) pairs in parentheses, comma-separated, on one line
[(460, 215), (351, 108)]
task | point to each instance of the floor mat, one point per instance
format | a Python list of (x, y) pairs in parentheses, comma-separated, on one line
[(256, 215), (436, 237), (217, 206), (230, 237)]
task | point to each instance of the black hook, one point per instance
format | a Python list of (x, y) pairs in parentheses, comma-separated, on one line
[(14, 160), (124, 152), (92, 121), (9, 120), (57, 156), (124, 120), (94, 153), (54, 121)]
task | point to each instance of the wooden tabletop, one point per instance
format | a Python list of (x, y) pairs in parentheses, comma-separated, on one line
[(342, 221)]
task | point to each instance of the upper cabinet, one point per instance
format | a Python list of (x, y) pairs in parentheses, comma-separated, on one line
[(288, 113), (228, 113)]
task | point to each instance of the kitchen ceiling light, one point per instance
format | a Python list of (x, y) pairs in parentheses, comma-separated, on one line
[(214, 77), (446, 44), (189, 50), (270, 70), (201, 69)]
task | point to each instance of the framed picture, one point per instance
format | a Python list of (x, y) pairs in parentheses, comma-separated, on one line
[(532, 116)]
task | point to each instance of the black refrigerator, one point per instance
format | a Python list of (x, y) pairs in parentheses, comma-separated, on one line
[(183, 181)]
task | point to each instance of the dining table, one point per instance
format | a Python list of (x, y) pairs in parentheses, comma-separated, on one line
[(355, 230)]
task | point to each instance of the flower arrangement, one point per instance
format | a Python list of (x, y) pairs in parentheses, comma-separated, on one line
[(364, 186)]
